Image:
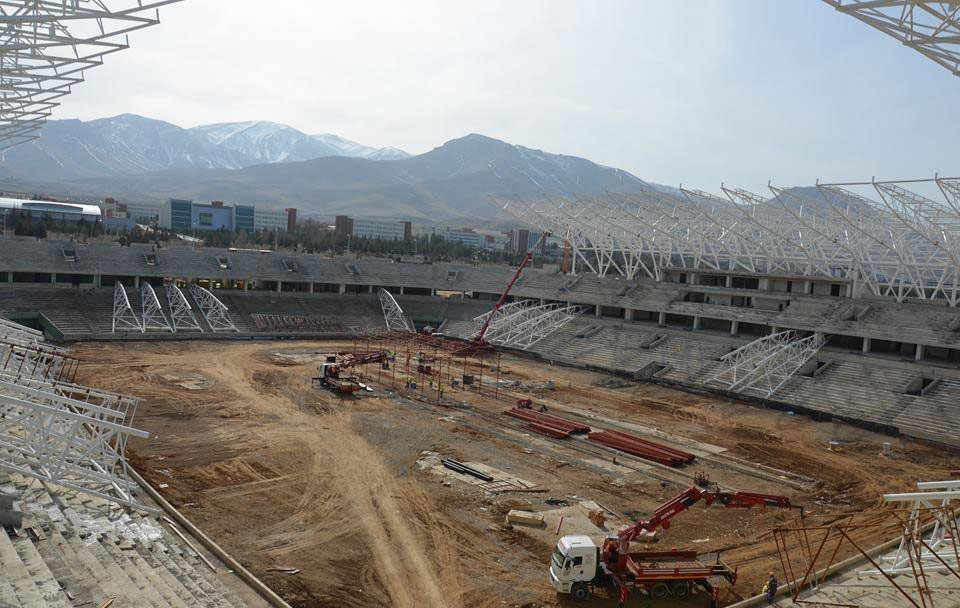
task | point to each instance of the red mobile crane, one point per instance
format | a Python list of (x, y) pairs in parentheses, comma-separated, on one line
[(333, 373), (477, 343), (578, 564)]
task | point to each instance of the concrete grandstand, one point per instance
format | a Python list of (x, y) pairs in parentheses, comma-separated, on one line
[(671, 331)]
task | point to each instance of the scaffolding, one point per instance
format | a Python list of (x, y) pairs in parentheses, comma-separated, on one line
[(392, 313), (47, 46), (60, 432), (763, 366), (152, 316), (523, 323), (123, 315), (213, 310), (898, 243), (929, 27), (181, 313)]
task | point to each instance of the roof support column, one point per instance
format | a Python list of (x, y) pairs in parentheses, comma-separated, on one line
[(734, 327), (919, 355), (628, 314), (866, 345), (662, 319), (279, 286), (310, 288), (729, 280), (53, 277), (596, 310), (343, 289), (696, 322)]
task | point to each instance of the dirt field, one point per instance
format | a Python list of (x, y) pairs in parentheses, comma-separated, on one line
[(285, 475)]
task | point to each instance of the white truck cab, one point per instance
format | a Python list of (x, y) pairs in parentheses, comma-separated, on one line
[(574, 565)]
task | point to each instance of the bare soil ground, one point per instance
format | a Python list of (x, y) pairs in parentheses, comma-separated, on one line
[(285, 475)]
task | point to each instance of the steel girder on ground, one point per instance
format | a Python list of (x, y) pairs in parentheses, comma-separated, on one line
[(763, 366), (181, 313), (214, 311), (45, 47), (524, 323), (392, 313), (900, 244), (60, 432), (930, 28)]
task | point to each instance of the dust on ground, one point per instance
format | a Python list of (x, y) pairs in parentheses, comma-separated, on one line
[(285, 475)]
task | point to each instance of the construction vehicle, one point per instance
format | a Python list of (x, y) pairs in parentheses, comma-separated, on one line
[(334, 374), (578, 565)]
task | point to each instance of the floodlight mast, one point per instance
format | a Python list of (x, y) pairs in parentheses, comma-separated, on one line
[(506, 292)]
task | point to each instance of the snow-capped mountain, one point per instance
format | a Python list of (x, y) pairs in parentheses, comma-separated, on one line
[(129, 144)]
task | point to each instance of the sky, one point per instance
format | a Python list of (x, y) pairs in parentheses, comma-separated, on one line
[(697, 93)]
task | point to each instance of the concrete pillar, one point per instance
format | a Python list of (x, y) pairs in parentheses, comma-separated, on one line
[(849, 290), (919, 355), (694, 278), (97, 280), (807, 287), (53, 277), (246, 285), (734, 327), (433, 291), (136, 282), (543, 301), (310, 288), (401, 290), (662, 319), (279, 286), (696, 322), (729, 280), (764, 284), (596, 310), (628, 314), (774, 329), (343, 289), (866, 345)]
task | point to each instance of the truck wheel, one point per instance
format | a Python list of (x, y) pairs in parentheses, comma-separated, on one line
[(580, 591), (680, 589), (659, 591)]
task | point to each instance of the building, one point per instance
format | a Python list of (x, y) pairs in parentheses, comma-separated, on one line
[(143, 213), (464, 236), (186, 216), (386, 230), (51, 210), (523, 240), (269, 219)]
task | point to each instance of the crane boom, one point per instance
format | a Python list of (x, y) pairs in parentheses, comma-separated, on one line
[(506, 292), (686, 499)]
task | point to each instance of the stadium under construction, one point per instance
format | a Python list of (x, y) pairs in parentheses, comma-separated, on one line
[(712, 390)]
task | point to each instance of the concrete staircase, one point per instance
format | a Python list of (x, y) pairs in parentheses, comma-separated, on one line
[(78, 551)]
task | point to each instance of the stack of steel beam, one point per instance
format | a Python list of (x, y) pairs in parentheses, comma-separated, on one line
[(643, 448), (552, 426)]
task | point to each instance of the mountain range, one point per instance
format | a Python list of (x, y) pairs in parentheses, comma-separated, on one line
[(132, 157)]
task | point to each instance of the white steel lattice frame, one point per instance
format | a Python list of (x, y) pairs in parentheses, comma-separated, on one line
[(936, 549), (392, 313), (930, 28), (766, 364), (181, 313), (524, 323), (152, 316), (901, 245), (123, 315), (214, 311), (64, 433), (45, 47)]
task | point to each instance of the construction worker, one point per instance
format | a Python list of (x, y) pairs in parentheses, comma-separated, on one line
[(770, 588)]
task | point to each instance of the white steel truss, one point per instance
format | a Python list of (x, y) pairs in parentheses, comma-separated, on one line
[(900, 245), (123, 315), (181, 313), (392, 313), (60, 432), (152, 316), (763, 366), (933, 550), (213, 310), (930, 28), (45, 47), (524, 323)]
